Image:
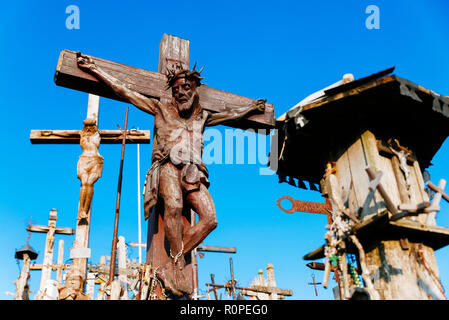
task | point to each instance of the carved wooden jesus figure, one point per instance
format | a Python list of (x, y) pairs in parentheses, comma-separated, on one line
[(177, 177), (90, 165)]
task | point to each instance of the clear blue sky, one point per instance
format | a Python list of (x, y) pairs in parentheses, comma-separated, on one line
[(278, 50)]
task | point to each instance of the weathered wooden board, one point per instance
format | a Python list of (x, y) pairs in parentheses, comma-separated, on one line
[(388, 179), (151, 84), (345, 178)]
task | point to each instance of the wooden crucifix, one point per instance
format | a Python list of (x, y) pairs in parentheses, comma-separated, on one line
[(50, 230), (264, 290), (182, 107), (89, 168)]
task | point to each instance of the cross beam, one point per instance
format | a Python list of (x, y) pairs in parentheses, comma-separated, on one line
[(73, 136), (199, 248), (46, 229), (151, 84), (261, 289)]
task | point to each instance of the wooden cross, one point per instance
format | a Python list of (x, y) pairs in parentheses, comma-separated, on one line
[(270, 289), (73, 136), (81, 252), (308, 206), (314, 284), (50, 230), (173, 51), (426, 206), (58, 267)]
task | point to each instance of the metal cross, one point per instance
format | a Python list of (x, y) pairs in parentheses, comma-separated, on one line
[(314, 284)]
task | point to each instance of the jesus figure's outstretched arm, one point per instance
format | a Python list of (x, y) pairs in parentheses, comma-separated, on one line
[(148, 105), (235, 113)]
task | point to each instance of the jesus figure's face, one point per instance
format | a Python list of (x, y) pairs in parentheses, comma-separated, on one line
[(185, 94)]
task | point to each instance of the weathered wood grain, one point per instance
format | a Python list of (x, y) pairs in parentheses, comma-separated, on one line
[(150, 84)]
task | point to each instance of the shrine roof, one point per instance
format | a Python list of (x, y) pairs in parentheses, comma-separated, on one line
[(384, 103)]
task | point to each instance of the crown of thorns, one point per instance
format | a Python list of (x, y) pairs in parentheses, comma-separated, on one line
[(180, 72)]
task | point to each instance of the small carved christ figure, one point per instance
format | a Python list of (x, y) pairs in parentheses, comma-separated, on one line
[(401, 153), (73, 289), (90, 165), (178, 178)]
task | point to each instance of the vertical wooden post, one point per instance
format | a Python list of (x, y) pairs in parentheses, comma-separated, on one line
[(90, 285), (271, 282), (194, 261), (232, 278), (60, 262), (122, 259), (101, 292), (81, 251), (21, 282), (48, 253), (173, 51), (139, 205)]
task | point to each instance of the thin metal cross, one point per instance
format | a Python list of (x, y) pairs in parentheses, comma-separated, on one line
[(314, 284)]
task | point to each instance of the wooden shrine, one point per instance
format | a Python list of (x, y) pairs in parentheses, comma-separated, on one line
[(365, 144)]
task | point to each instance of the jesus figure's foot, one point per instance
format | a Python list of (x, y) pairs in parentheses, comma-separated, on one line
[(174, 279)]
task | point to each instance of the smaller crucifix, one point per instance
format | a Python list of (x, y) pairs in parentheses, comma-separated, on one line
[(314, 284), (89, 168), (50, 230), (269, 288)]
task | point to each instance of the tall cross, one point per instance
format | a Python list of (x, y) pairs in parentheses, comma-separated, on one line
[(50, 230), (173, 51), (80, 251)]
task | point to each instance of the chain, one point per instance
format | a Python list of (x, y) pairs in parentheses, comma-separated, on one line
[(179, 253), (434, 277), (153, 283)]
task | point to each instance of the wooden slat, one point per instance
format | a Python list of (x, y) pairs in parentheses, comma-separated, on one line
[(151, 84), (73, 136)]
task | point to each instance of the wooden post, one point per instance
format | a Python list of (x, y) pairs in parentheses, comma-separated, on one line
[(48, 253), (194, 262), (122, 259), (81, 251), (102, 291), (60, 262), (22, 282), (173, 51), (90, 285), (271, 282)]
